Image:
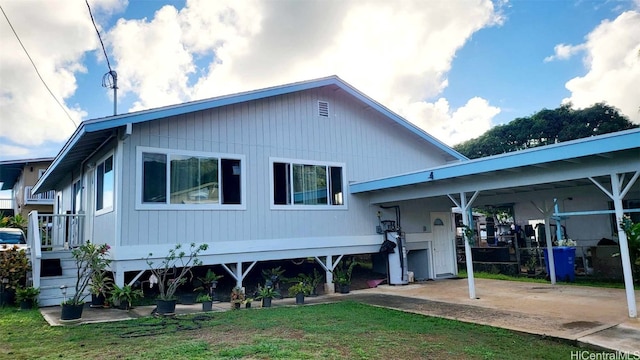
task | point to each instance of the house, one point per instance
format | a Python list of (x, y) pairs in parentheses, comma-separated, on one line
[(314, 169), (261, 175), (19, 176)]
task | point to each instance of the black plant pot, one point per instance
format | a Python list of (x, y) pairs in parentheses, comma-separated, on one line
[(124, 305), (344, 288), (188, 299), (166, 307), (71, 312), (7, 297), (26, 304), (236, 305), (300, 299), (207, 305), (97, 301), (247, 305), (266, 302)]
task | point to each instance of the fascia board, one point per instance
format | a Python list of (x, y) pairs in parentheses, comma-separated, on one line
[(623, 140)]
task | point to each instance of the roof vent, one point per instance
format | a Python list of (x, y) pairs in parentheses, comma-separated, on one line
[(323, 108)]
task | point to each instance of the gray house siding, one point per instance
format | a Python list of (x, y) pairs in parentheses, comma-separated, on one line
[(287, 126)]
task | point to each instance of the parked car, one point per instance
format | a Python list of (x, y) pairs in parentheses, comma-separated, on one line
[(12, 236)]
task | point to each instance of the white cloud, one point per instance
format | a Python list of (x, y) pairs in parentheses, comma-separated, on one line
[(57, 45), (612, 59), (564, 52), (398, 53), (453, 126)]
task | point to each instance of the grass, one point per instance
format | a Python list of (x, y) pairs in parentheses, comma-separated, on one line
[(328, 331), (579, 281)]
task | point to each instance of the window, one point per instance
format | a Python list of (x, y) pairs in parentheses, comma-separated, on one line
[(183, 179), (77, 197), (104, 185), (307, 184)]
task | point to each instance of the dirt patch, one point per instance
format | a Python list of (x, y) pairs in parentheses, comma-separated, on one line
[(582, 325)]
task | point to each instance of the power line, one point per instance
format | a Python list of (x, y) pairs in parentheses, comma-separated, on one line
[(36, 68), (110, 79), (99, 37)]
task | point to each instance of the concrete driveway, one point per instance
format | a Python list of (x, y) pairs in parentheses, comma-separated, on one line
[(589, 315)]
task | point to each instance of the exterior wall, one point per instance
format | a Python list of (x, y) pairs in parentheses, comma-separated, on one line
[(369, 145), (29, 177)]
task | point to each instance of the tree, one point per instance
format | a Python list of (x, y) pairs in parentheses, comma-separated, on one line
[(546, 127)]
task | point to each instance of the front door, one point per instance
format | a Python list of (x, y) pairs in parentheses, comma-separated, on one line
[(443, 245)]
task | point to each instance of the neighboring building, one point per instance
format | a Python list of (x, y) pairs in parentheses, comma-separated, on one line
[(19, 176)]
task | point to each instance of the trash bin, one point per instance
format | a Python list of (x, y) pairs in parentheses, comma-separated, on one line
[(564, 258)]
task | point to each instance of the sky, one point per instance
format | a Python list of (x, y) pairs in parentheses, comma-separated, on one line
[(454, 68)]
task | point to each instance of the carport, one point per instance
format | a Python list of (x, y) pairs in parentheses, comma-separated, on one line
[(599, 167)]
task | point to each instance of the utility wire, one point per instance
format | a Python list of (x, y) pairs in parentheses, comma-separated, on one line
[(36, 68), (99, 37), (110, 79)]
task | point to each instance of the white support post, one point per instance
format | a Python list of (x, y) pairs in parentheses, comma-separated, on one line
[(231, 270), (238, 276), (556, 209), (466, 207), (328, 267), (623, 242), (467, 247), (546, 212), (119, 278)]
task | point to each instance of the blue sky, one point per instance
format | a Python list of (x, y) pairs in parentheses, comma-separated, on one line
[(454, 68)]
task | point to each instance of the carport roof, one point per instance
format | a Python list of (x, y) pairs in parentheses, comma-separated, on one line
[(596, 151)]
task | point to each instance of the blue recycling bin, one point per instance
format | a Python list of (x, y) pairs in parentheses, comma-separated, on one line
[(564, 258)]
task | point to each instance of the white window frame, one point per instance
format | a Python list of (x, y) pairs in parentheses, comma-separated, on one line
[(168, 206), (109, 209), (292, 206)]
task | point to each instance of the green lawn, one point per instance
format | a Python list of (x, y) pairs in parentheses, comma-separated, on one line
[(345, 330)]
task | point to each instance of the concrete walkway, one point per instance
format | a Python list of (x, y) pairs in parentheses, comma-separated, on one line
[(595, 317)]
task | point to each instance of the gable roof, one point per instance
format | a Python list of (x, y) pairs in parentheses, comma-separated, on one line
[(625, 143), (10, 170), (92, 133)]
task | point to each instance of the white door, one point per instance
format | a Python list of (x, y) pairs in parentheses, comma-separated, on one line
[(443, 245)]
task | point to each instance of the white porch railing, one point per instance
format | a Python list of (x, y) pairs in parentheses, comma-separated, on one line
[(44, 198), (60, 231), (33, 240)]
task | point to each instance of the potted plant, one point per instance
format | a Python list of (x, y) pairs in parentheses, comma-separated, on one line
[(237, 297), (209, 283), (299, 290), (88, 258), (172, 272), (247, 303), (100, 286), (206, 300), (14, 265), (342, 275), (531, 264), (27, 297), (272, 277), (312, 280), (123, 297), (266, 294)]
